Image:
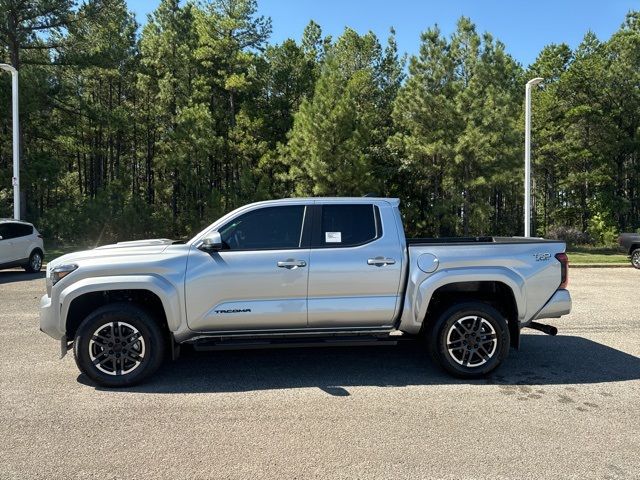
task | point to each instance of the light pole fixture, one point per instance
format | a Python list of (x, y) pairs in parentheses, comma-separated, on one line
[(527, 155), (16, 139)]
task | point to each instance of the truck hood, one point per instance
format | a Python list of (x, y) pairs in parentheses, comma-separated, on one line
[(120, 249)]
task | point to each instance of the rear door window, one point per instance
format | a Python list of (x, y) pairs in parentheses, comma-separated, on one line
[(23, 230), (348, 225)]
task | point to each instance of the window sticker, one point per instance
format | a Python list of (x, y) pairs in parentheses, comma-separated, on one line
[(333, 237)]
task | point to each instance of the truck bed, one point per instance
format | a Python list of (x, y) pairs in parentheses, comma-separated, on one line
[(475, 240)]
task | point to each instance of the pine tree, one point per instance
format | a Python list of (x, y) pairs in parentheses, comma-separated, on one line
[(335, 138), (457, 134), (166, 84), (31, 26)]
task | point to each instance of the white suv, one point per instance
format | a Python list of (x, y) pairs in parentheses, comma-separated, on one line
[(20, 245)]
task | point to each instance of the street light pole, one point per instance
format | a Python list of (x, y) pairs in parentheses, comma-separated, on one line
[(527, 155), (16, 139)]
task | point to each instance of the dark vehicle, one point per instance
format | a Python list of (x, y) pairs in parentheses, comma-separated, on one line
[(630, 242)]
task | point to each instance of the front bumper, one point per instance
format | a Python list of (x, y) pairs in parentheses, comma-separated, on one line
[(50, 318), (559, 304)]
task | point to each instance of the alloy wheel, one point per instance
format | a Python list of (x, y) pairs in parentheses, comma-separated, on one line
[(36, 262), (472, 341), (117, 348)]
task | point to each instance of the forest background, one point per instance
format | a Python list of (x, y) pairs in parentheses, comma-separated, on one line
[(133, 132)]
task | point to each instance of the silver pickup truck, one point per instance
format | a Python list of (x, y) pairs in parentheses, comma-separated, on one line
[(314, 271)]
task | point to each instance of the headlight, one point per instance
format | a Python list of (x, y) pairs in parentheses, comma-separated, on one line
[(61, 271)]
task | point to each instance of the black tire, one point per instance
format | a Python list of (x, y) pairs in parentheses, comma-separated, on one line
[(122, 322), (450, 329), (35, 262), (635, 258)]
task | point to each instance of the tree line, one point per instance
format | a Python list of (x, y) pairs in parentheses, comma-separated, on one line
[(131, 132)]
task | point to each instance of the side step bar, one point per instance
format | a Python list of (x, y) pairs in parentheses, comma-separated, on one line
[(204, 345), (248, 342)]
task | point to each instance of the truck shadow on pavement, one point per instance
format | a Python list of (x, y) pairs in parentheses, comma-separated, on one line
[(541, 360), (11, 276)]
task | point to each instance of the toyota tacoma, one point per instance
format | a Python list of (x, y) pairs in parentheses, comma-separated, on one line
[(316, 271)]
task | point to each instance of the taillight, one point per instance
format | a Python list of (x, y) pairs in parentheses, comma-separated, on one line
[(564, 269)]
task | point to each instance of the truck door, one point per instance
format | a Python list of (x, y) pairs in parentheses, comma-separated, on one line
[(259, 280), (355, 267)]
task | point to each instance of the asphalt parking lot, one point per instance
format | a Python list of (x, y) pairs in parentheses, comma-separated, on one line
[(561, 407)]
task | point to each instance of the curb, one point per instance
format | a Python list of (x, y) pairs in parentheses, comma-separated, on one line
[(600, 265)]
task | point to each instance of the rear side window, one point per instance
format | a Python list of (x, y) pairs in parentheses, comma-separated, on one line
[(265, 228), (14, 230), (23, 230), (349, 225)]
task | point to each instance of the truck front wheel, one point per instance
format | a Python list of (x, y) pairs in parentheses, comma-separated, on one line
[(118, 345), (635, 258), (469, 339)]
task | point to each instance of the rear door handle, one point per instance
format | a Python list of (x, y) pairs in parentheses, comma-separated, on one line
[(290, 263), (380, 261)]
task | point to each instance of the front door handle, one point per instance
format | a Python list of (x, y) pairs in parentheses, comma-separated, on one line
[(290, 263), (380, 261)]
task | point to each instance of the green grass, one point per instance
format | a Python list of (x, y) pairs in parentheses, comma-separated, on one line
[(56, 251), (588, 255)]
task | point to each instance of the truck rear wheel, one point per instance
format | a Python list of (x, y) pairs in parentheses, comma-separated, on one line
[(469, 339), (119, 345), (635, 258)]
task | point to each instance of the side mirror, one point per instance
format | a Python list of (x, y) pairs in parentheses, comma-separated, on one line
[(212, 243)]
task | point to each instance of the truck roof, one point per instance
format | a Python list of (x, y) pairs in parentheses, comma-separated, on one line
[(392, 201)]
